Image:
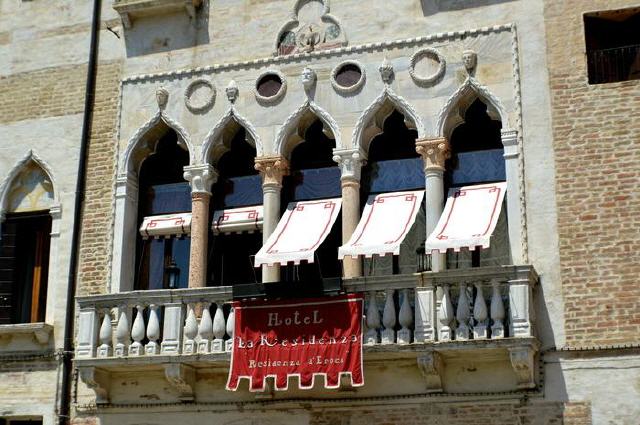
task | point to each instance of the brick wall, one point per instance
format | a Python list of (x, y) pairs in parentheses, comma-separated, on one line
[(98, 207), (596, 135), (485, 413), (50, 92)]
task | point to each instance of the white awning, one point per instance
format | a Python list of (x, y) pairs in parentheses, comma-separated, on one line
[(237, 220), (301, 230), (469, 218), (166, 225), (385, 222)]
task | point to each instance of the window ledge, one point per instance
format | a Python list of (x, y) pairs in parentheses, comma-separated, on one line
[(41, 332), (129, 9)]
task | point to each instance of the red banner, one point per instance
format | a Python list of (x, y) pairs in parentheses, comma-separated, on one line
[(302, 338)]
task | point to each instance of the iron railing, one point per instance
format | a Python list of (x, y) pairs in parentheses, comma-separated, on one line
[(616, 64)]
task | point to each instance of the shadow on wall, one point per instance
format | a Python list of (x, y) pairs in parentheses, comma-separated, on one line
[(156, 34), (431, 7)]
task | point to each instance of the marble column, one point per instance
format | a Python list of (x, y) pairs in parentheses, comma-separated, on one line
[(434, 152), (201, 177), (272, 169), (350, 162)]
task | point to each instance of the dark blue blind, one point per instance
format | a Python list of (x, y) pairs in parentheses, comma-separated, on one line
[(316, 183), (169, 198), (241, 191), (477, 167), (393, 175)]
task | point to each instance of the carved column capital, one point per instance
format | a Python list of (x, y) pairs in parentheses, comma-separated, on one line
[(127, 186), (272, 169), (350, 162), (434, 152), (200, 177)]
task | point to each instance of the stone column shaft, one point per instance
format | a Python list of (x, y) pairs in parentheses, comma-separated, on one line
[(434, 153), (201, 177), (272, 169), (350, 162)]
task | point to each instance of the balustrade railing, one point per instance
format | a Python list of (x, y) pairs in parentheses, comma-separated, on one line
[(455, 305), (181, 321)]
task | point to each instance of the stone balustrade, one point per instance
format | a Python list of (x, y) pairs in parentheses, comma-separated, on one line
[(159, 322)]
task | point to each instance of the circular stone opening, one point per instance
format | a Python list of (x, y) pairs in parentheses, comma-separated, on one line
[(348, 75), (269, 85)]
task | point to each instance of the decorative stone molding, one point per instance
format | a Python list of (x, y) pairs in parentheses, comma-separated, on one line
[(470, 61), (367, 117), (350, 89), (7, 183), (98, 380), (291, 128), (336, 52), (427, 53), (449, 117), (139, 148), (41, 332), (522, 361), (192, 88), (272, 169), (128, 9), (213, 147), (200, 177), (232, 91), (270, 100), (350, 162), (323, 31), (386, 71), (308, 78), (434, 152), (182, 378), (431, 366)]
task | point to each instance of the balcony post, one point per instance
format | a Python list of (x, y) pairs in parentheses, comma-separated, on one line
[(87, 332), (272, 169), (520, 308), (172, 329), (434, 152), (200, 177), (426, 314), (350, 162)]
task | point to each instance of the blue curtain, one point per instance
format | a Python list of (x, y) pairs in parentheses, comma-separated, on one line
[(169, 198), (393, 175), (242, 191), (316, 183), (477, 167)]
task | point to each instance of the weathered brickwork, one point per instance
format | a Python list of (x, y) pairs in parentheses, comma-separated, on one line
[(98, 207), (50, 92), (453, 414), (597, 152)]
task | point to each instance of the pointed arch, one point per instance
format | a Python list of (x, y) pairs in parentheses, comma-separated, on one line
[(214, 145), (291, 133), (143, 141), (371, 120), (452, 113), (22, 165)]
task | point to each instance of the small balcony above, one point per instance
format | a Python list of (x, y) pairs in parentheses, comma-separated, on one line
[(429, 320), (131, 9)]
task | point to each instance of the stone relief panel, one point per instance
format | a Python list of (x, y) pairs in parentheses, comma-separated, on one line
[(31, 190), (310, 28)]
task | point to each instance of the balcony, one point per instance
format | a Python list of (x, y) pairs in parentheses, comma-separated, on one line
[(130, 9), (426, 319), (615, 64)]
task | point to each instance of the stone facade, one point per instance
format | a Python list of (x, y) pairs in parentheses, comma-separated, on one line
[(571, 160)]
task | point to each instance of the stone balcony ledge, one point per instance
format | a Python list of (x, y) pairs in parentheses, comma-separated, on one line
[(130, 9), (25, 336)]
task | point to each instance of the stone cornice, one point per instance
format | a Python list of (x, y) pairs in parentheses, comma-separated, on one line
[(340, 51)]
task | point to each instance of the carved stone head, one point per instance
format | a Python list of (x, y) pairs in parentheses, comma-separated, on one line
[(232, 91), (470, 60), (386, 71), (162, 97), (308, 78)]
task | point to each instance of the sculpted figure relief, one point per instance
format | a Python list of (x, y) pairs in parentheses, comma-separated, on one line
[(470, 61)]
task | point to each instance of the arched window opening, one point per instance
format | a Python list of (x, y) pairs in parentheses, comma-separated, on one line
[(394, 165), (24, 247), (163, 262), (314, 175), (230, 257), (477, 157)]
